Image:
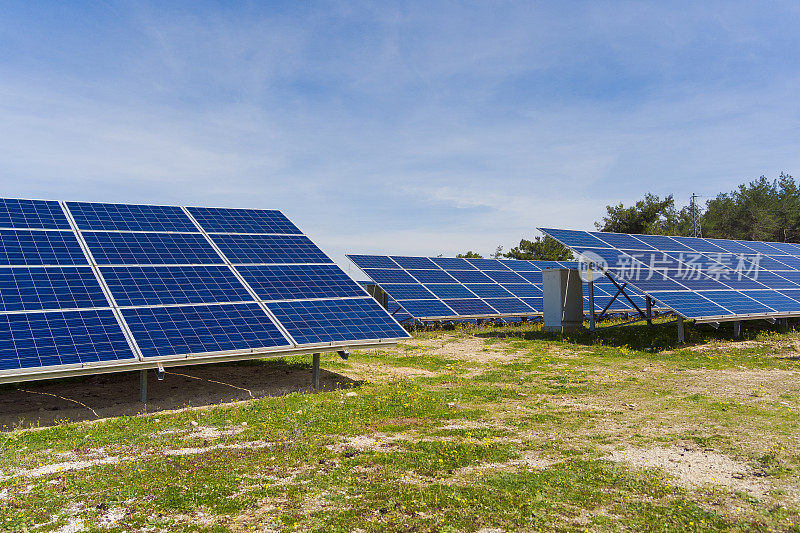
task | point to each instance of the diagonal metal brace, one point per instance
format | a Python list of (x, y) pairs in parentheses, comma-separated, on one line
[(622, 291)]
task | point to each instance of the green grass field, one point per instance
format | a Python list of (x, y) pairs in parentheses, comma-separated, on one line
[(492, 428)]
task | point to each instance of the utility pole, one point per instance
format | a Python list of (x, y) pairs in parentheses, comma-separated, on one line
[(697, 231)]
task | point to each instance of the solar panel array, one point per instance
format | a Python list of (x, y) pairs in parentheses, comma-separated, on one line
[(88, 285), (448, 287), (703, 279)]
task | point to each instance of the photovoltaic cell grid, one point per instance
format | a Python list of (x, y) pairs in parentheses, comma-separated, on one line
[(168, 285), (704, 279), (443, 287)]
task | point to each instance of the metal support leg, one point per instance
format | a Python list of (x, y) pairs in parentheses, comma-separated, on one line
[(143, 386), (737, 329), (783, 324), (681, 336), (649, 303), (315, 371)]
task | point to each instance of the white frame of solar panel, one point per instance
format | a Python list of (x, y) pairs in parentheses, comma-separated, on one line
[(467, 317), (141, 363), (706, 319)]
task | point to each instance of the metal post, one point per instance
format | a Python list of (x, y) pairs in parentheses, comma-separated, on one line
[(783, 324), (143, 386), (681, 336), (590, 275), (315, 371), (649, 303), (737, 329)]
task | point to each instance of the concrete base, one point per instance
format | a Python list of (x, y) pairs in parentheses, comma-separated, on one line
[(564, 328)]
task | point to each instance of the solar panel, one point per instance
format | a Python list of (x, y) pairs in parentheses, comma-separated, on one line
[(40, 214), (38, 288), (88, 287), (112, 248), (316, 321), (465, 288), (32, 247), (201, 329), (704, 279), (269, 249), (57, 338), (129, 217), (282, 282), (170, 285), (222, 220)]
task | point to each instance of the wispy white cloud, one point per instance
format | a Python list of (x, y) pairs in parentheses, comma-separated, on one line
[(413, 128)]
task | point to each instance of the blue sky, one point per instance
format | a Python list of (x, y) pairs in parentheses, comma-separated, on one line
[(412, 128)]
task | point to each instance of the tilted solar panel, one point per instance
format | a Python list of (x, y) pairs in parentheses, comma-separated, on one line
[(87, 287), (221, 220), (468, 288), (704, 279)]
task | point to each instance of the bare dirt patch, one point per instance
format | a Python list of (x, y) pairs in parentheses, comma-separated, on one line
[(695, 468)]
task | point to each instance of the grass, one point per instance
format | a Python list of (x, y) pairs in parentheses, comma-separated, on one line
[(515, 434)]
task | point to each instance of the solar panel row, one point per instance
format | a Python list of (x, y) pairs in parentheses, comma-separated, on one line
[(438, 287), (698, 278), (84, 283)]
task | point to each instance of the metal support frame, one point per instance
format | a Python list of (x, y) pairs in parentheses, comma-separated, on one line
[(649, 304), (143, 386), (737, 329), (783, 324), (681, 335), (315, 371), (625, 294)]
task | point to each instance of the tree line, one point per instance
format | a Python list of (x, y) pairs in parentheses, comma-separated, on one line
[(760, 210)]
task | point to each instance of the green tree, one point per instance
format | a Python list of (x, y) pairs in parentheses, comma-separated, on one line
[(649, 215), (470, 255), (543, 249)]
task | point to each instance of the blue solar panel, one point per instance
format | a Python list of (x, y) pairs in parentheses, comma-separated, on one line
[(24, 247), (470, 276), (381, 276), (287, 282), (775, 300), (523, 290), (761, 247), (31, 340), (431, 276), (470, 307), (488, 290), (772, 280), (793, 276), (622, 240), (129, 217), (199, 329), (608, 256), (698, 244), (537, 304), (544, 265), (28, 289), (736, 302), (407, 291), (790, 262), (663, 243), (790, 248), (520, 265), (426, 308), (509, 305), (316, 321), (532, 277), (269, 249), (414, 262), (695, 281), (372, 261), (656, 283), (488, 264), (110, 248), (505, 276), (43, 214), (689, 304), (575, 239), (449, 290), (794, 294), (735, 247), (167, 285), (226, 220), (453, 263)]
